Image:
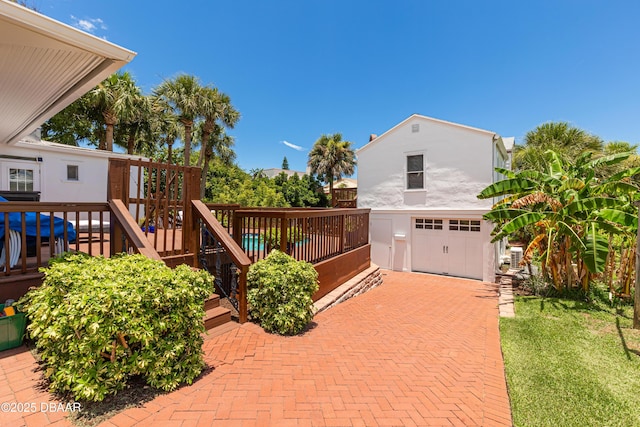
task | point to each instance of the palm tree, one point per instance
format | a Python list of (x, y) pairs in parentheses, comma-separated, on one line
[(560, 137), (184, 95), (331, 158), (114, 98), (137, 124), (218, 114), (164, 126)]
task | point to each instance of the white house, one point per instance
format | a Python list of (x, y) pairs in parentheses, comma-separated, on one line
[(60, 173), (420, 180)]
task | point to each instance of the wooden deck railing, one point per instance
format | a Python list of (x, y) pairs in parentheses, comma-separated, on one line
[(312, 235), (127, 234), (344, 198), (155, 195), (154, 209), (26, 251), (223, 213), (223, 257), (30, 246)]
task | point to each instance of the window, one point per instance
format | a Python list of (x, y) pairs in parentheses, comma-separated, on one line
[(415, 128), (72, 173), (415, 172), (428, 224), (20, 179), (464, 225)]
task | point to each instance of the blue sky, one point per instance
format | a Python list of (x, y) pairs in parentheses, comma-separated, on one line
[(296, 69)]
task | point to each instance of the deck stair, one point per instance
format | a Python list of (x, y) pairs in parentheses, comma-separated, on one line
[(215, 315)]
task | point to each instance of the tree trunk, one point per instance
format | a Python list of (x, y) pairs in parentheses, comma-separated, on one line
[(170, 152), (131, 143), (208, 153), (109, 137), (187, 143)]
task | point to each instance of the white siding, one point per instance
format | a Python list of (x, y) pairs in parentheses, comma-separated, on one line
[(53, 184), (459, 163)]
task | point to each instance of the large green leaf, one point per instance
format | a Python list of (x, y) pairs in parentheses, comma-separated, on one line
[(506, 172), (596, 250), (499, 214), (619, 217), (556, 165), (617, 188), (539, 177), (624, 174), (507, 186), (591, 204), (609, 160), (571, 184), (518, 223)]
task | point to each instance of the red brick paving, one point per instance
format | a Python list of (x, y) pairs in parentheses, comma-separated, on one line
[(420, 350)]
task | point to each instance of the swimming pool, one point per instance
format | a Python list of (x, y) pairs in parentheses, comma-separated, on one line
[(255, 242), (252, 242)]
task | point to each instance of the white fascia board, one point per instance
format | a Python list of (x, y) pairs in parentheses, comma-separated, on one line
[(78, 151)]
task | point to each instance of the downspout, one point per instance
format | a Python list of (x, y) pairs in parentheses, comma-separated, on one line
[(497, 249)]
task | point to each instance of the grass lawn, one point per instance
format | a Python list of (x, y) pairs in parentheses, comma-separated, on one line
[(569, 363)]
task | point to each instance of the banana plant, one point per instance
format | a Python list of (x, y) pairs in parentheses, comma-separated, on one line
[(569, 213)]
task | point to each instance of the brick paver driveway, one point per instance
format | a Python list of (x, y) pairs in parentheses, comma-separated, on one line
[(418, 350)]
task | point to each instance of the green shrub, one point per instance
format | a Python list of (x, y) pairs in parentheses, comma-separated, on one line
[(280, 290), (97, 321), (272, 237)]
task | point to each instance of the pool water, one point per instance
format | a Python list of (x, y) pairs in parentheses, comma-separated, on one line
[(252, 242)]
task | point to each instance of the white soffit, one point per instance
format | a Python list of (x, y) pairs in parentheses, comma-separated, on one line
[(45, 65)]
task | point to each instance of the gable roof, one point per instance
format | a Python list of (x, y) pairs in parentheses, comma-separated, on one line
[(45, 66), (419, 116)]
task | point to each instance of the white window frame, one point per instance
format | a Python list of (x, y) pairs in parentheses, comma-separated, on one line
[(407, 171), (24, 182)]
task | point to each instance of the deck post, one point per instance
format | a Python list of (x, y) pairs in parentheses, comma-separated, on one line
[(117, 188), (190, 229), (242, 295), (284, 225)]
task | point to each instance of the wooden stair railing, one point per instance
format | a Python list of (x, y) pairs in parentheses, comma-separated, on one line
[(235, 252), (127, 227)]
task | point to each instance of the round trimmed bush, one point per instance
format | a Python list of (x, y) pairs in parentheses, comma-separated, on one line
[(280, 291)]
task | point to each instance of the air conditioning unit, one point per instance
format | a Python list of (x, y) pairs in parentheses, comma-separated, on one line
[(516, 257)]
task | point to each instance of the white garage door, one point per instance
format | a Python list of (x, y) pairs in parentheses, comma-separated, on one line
[(447, 246)]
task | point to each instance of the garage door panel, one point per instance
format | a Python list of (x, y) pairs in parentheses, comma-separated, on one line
[(427, 254), (454, 248)]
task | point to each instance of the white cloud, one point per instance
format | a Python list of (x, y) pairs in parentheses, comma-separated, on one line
[(89, 25), (294, 146)]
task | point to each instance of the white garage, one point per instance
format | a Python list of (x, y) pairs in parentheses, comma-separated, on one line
[(421, 180), (447, 246)]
